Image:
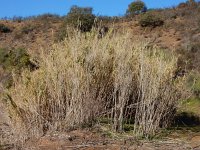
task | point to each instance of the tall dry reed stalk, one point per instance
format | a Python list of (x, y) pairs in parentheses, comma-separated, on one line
[(85, 77)]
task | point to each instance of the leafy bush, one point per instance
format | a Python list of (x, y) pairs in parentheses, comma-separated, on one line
[(4, 29), (81, 18), (136, 7), (14, 59), (150, 20)]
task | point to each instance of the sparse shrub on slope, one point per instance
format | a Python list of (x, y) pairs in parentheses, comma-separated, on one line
[(4, 28), (150, 20), (189, 55), (84, 78), (48, 18), (25, 29), (62, 32), (81, 18), (14, 59)]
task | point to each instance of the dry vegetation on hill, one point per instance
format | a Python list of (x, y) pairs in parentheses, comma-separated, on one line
[(85, 78)]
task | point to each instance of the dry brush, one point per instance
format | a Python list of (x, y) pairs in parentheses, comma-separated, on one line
[(84, 78)]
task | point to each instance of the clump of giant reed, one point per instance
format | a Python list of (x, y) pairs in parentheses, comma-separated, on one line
[(86, 77)]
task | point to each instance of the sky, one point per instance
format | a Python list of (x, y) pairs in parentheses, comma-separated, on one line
[(24, 8)]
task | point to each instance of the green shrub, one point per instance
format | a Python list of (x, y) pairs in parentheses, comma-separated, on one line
[(14, 59), (81, 18), (136, 7), (4, 29), (150, 20)]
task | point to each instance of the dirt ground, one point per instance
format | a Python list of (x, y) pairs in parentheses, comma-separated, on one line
[(100, 138), (90, 140)]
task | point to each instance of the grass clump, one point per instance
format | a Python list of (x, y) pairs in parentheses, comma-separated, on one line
[(193, 83), (84, 78), (190, 106)]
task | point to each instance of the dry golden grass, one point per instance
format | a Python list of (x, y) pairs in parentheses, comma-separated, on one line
[(85, 77)]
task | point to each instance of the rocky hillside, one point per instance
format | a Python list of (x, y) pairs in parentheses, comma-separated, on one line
[(179, 32)]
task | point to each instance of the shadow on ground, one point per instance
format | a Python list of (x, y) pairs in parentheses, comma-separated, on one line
[(187, 119)]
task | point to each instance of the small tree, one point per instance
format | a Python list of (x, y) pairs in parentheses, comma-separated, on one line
[(81, 18), (136, 7)]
